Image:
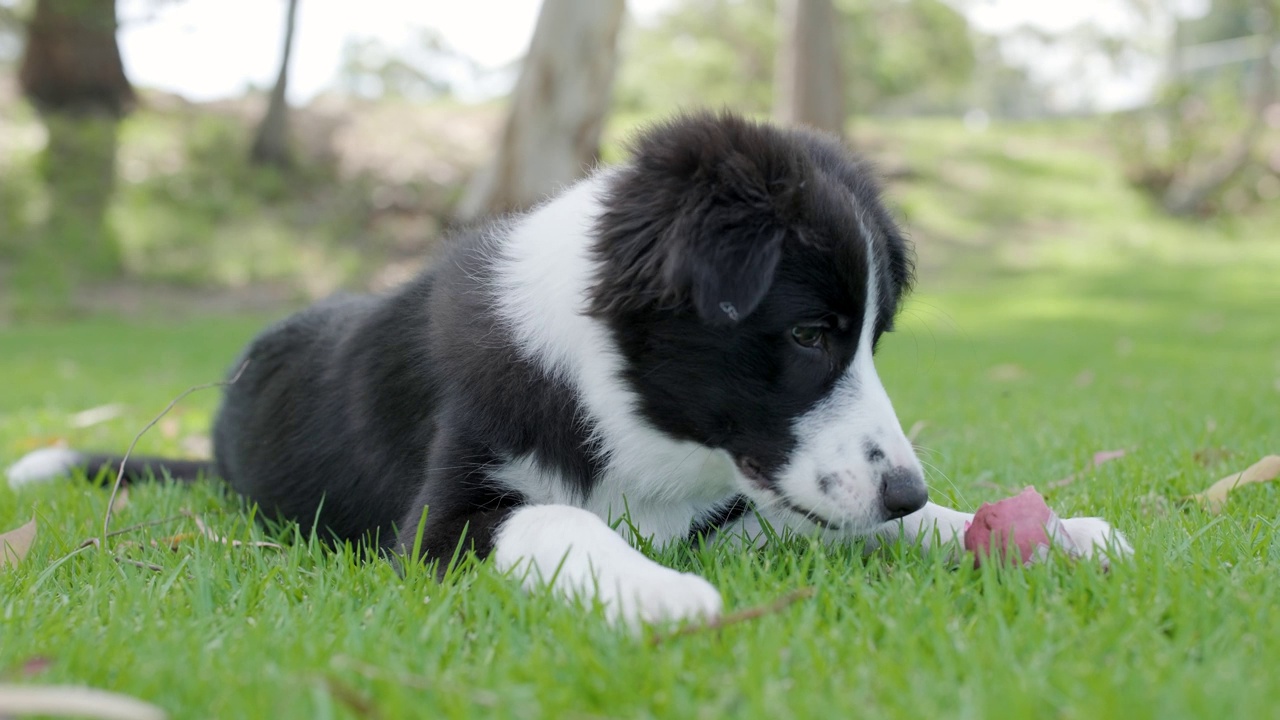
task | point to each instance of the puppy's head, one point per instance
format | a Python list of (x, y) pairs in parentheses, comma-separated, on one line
[(747, 273)]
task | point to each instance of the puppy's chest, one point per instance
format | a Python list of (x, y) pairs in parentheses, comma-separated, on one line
[(660, 500)]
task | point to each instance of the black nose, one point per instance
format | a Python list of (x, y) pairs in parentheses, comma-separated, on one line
[(902, 492)]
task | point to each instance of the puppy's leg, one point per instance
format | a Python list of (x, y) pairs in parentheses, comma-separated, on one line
[(936, 525), (580, 556), (932, 526)]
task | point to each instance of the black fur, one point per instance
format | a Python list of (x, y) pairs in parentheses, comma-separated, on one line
[(361, 413)]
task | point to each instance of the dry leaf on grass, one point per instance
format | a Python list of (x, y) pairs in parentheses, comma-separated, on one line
[(96, 415), (35, 665), (121, 501), (1211, 455), (1007, 372), (74, 701), (173, 541), (204, 530), (197, 446), (1100, 457), (15, 544), (1265, 470), (169, 428)]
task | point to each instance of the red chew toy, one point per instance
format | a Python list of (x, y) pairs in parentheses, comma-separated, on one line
[(1023, 522)]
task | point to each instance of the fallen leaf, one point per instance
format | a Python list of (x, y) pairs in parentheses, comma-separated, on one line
[(1008, 372), (1153, 504), (1107, 456), (27, 444), (197, 446), (15, 544), (30, 667), (96, 415), (204, 530), (173, 541), (121, 501), (1100, 457), (1211, 455), (169, 428), (74, 701), (1265, 470), (36, 665)]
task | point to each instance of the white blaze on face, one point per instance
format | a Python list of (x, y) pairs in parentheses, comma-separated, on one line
[(849, 440)]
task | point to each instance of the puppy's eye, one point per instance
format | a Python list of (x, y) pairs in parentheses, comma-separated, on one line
[(809, 336)]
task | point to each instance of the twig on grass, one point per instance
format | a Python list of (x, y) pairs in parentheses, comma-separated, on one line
[(115, 487), (734, 618), (138, 563), (137, 526), (205, 531)]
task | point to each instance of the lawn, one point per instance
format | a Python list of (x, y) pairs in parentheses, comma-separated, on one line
[(1163, 339)]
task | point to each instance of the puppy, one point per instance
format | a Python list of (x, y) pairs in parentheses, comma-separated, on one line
[(685, 340)]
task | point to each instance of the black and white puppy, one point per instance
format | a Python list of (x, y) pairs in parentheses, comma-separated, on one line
[(685, 339)]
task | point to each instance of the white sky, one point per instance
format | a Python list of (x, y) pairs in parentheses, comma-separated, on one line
[(207, 49)]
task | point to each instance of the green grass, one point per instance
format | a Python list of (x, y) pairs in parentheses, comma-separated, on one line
[(1075, 322), (1187, 629)]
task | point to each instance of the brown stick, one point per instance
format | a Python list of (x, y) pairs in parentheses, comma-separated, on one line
[(740, 616), (115, 487)]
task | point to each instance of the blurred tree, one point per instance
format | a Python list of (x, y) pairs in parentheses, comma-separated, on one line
[(426, 68), (903, 56), (71, 63), (701, 53), (1192, 186), (808, 89), (552, 132), (12, 29), (1196, 148), (271, 143), (72, 73)]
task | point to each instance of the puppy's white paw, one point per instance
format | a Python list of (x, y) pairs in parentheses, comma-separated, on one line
[(42, 465), (1094, 537), (660, 595)]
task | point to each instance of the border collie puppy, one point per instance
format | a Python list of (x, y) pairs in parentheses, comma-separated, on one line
[(685, 340)]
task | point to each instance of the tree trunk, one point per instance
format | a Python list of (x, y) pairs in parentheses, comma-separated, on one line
[(1189, 191), (552, 132), (71, 71), (71, 63), (808, 88), (271, 144)]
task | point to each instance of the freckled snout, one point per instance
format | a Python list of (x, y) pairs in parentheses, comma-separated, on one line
[(902, 492)]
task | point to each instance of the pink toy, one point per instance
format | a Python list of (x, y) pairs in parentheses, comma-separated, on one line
[(1024, 522)]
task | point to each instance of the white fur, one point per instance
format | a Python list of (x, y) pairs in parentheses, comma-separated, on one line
[(574, 552), (544, 272), (43, 465), (833, 435), (938, 526)]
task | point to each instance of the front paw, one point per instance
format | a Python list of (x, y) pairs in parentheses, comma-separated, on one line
[(1094, 537), (660, 595)]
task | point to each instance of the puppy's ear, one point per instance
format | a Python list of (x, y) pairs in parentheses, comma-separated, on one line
[(725, 268), (698, 218)]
